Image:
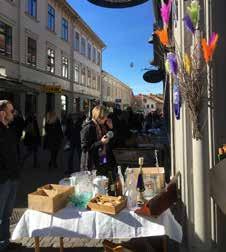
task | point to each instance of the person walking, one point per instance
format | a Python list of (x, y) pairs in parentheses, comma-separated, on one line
[(32, 139), (96, 149), (73, 129), (9, 172), (53, 137)]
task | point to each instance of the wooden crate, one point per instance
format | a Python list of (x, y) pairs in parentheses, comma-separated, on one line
[(50, 198), (113, 210), (151, 175)]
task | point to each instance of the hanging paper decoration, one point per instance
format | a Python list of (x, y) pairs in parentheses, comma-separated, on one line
[(188, 24), (176, 101), (209, 48), (167, 66), (193, 12), (163, 36), (171, 57), (187, 63), (165, 12)]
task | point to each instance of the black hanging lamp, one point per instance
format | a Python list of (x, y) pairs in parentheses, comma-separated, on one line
[(117, 3)]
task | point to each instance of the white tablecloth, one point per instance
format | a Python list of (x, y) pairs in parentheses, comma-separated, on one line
[(72, 222)]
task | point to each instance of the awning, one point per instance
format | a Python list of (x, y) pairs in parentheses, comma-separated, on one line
[(117, 3), (15, 86)]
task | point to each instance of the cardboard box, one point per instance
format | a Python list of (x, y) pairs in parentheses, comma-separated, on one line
[(50, 198), (93, 205), (154, 180)]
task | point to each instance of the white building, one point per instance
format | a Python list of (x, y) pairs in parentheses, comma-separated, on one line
[(50, 59), (115, 91)]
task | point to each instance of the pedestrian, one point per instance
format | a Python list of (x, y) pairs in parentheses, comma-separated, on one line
[(53, 138), (9, 172), (32, 139), (73, 129), (96, 149), (18, 124)]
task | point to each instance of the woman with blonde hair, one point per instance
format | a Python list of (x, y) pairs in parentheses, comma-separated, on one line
[(96, 150), (53, 137)]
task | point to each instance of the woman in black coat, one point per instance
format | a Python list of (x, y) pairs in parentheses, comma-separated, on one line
[(53, 137), (96, 150)]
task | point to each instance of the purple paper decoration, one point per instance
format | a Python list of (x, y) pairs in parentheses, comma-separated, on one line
[(188, 24), (165, 11), (176, 101)]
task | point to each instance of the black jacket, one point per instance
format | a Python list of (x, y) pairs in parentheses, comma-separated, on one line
[(8, 154), (90, 147)]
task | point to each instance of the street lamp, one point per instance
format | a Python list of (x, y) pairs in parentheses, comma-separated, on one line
[(117, 3)]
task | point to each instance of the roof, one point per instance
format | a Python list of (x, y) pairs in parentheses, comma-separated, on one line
[(86, 26), (150, 96)]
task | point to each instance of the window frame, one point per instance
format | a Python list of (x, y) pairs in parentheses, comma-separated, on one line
[(51, 20), (89, 51), (49, 57), (64, 67), (76, 66), (94, 55), (64, 29), (7, 34), (31, 62), (83, 46), (32, 7), (77, 41)]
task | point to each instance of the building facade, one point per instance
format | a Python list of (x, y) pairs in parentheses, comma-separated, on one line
[(147, 103), (115, 92), (50, 59)]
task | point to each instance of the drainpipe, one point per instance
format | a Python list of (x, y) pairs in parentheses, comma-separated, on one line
[(19, 40)]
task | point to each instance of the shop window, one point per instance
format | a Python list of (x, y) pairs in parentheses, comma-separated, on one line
[(30, 104), (64, 67), (32, 8), (50, 102), (50, 60), (5, 40), (83, 46), (31, 51), (86, 105), (51, 18), (77, 41), (64, 29)]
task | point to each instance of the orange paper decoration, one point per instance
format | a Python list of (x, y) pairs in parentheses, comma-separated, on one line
[(208, 48), (163, 36)]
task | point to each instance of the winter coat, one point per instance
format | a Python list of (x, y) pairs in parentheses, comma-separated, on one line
[(8, 154), (90, 150), (54, 135), (32, 136)]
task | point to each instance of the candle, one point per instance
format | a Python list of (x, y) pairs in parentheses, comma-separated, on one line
[(141, 161)]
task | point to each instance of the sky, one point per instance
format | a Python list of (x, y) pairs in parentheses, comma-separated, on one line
[(126, 33)]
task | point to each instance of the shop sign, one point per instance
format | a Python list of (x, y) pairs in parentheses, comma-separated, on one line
[(118, 100), (51, 89)]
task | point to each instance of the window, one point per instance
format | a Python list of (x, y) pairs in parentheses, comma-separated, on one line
[(76, 73), (94, 81), (31, 51), (98, 83), (83, 76), (98, 59), (94, 54), (63, 103), (50, 60), (77, 41), (64, 29), (5, 40), (89, 78), (32, 8), (64, 67), (51, 18), (108, 91), (83, 46), (89, 51)]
